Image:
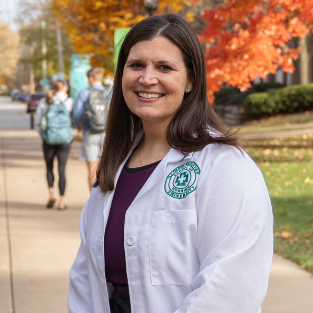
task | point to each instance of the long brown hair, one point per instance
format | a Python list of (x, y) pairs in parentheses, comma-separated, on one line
[(189, 129), (57, 86)]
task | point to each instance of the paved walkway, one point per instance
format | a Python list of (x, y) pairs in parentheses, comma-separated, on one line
[(38, 245)]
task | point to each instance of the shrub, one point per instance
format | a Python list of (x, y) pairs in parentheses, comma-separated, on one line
[(226, 94), (230, 95), (296, 98), (265, 86)]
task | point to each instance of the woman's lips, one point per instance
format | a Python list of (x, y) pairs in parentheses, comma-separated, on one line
[(149, 95)]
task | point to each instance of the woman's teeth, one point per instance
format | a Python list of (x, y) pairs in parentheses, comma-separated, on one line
[(149, 95)]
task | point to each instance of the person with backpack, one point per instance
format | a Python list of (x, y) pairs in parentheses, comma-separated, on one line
[(53, 119), (90, 114)]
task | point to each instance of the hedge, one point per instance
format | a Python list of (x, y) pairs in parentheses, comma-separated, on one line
[(265, 86), (295, 98), (225, 94), (231, 95)]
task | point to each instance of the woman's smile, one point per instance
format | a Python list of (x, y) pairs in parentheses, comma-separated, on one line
[(147, 95)]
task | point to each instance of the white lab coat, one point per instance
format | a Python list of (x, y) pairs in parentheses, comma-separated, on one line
[(209, 251)]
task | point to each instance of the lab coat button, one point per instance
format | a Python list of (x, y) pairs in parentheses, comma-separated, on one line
[(131, 240)]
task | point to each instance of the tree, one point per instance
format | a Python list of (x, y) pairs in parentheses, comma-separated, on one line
[(9, 52), (247, 39), (91, 23), (32, 34)]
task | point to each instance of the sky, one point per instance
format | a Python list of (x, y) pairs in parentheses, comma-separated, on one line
[(9, 11)]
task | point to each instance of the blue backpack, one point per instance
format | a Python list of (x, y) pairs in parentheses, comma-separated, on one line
[(58, 128)]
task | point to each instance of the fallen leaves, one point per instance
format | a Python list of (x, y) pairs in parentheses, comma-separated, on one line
[(267, 151), (293, 149), (285, 234)]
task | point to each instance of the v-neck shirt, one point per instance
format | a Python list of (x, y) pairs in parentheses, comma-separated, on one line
[(129, 183)]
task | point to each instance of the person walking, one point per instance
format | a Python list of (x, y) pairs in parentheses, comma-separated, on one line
[(89, 114), (179, 219), (55, 111)]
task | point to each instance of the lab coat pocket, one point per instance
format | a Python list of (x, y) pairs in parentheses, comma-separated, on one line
[(173, 255)]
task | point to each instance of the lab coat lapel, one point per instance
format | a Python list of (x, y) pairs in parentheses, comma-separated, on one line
[(172, 156)]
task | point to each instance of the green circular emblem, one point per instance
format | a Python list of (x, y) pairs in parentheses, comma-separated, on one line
[(182, 180)]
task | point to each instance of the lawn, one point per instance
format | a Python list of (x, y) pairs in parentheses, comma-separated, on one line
[(278, 122), (287, 166)]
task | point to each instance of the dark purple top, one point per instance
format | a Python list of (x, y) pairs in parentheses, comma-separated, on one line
[(129, 183)]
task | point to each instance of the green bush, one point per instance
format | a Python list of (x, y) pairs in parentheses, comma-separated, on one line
[(226, 94), (265, 86), (226, 91), (296, 98)]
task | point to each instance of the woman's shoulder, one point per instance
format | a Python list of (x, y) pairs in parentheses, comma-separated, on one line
[(226, 158), (213, 150), (226, 167)]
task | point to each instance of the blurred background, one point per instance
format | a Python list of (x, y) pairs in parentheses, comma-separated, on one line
[(259, 61)]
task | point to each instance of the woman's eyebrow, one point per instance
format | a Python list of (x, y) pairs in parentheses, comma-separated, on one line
[(157, 62), (167, 62), (133, 60)]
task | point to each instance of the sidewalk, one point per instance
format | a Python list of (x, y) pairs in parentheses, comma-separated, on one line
[(42, 243)]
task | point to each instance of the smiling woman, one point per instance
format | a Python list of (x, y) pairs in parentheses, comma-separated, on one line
[(155, 81), (179, 219)]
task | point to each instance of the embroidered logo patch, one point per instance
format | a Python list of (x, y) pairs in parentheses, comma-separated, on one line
[(182, 180)]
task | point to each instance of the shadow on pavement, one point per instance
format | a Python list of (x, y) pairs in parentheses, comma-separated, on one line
[(36, 206)]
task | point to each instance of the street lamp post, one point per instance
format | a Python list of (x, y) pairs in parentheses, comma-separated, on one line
[(44, 51), (151, 6)]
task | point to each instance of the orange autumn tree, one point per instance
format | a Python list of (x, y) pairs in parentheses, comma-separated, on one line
[(91, 23), (247, 39)]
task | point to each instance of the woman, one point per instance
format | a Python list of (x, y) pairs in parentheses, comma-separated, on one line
[(58, 95), (179, 219)]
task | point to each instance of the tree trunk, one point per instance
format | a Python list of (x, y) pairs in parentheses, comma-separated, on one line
[(304, 61)]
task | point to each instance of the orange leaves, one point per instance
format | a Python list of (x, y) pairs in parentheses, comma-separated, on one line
[(91, 23), (297, 28), (246, 39)]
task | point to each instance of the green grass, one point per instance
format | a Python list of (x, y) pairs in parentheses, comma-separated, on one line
[(287, 166), (278, 122)]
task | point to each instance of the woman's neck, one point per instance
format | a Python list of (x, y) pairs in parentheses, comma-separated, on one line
[(152, 148), (155, 135)]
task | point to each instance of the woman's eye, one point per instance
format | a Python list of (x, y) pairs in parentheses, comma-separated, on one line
[(136, 66), (165, 68)]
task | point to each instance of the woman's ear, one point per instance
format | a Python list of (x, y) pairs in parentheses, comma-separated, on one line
[(189, 84), (188, 87)]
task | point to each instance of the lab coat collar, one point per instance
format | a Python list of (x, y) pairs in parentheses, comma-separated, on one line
[(172, 156)]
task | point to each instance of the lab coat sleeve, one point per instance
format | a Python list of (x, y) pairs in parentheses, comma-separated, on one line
[(234, 239), (79, 300)]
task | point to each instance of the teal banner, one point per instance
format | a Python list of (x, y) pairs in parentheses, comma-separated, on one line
[(80, 65), (119, 35)]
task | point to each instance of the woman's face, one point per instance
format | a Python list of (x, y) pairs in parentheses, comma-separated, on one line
[(155, 80)]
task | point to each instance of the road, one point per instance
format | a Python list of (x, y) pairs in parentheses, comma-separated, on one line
[(13, 114), (38, 246)]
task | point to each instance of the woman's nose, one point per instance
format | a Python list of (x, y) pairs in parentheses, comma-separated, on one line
[(148, 77)]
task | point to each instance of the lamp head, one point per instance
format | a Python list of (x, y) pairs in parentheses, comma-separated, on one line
[(151, 6)]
